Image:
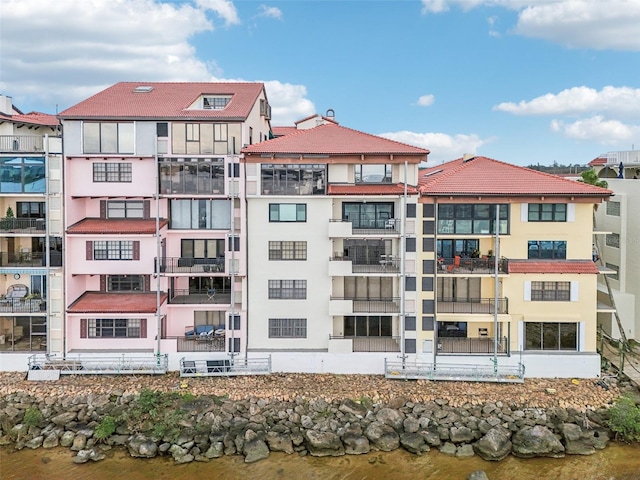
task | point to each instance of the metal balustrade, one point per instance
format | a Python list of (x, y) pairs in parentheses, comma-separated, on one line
[(373, 305), (451, 372), (473, 305), (21, 143), (191, 265), (108, 365), (22, 225), (225, 367)]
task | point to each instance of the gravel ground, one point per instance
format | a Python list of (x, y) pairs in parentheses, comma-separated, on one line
[(533, 393)]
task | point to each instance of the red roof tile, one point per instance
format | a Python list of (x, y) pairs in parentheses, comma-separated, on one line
[(121, 302), (93, 226), (166, 100), (598, 161), (33, 118), (332, 139), (485, 176), (552, 266), (327, 119), (369, 189), (282, 131)]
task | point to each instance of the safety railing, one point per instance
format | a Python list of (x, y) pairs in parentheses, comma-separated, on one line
[(225, 367), (451, 372), (108, 365)]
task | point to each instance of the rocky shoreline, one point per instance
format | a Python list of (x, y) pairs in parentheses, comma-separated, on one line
[(320, 415)]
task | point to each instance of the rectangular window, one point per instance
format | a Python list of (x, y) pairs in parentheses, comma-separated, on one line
[(611, 266), (112, 172), (114, 328), (215, 103), (22, 175), (30, 210), (368, 326), (547, 212), (287, 328), (293, 179), (162, 129), (550, 291), (288, 289), (467, 219), (199, 176), (370, 215), (613, 208), (551, 336), (234, 243), (287, 250), (125, 209), (366, 173), (113, 250), (287, 212), (191, 214), (613, 240), (125, 283), (108, 137), (234, 322), (233, 170), (545, 249)]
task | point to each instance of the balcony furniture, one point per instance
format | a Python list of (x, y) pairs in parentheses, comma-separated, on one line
[(211, 293), (390, 224), (483, 332), (17, 291), (456, 263)]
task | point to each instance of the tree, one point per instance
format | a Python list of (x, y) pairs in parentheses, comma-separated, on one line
[(591, 177)]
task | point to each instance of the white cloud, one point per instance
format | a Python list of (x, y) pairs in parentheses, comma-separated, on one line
[(619, 101), (270, 12), (426, 100), (597, 129), (597, 24), (443, 147), (224, 8), (288, 102)]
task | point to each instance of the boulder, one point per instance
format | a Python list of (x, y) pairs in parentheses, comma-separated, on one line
[(536, 441), (279, 442), (414, 443), (464, 451), (35, 442), (216, 450), (142, 447), (494, 446), (82, 456), (460, 434), (64, 418), (382, 436), (323, 444), (66, 440), (51, 440), (448, 448), (354, 408), (478, 475), (254, 448), (390, 417), (355, 444)]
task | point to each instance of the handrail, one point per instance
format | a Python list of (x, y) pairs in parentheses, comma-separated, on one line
[(107, 365)]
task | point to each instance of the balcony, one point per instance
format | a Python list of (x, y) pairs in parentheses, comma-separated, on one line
[(22, 305), (471, 266), (478, 345), (29, 259), (201, 343), (342, 228), (350, 306), (21, 143), (472, 306), (371, 344), (347, 265), (209, 296), (22, 225), (191, 265)]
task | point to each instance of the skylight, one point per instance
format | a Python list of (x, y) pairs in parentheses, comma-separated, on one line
[(143, 89)]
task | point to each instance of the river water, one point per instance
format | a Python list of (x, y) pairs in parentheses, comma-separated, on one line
[(616, 462)]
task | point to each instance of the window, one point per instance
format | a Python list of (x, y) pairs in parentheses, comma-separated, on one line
[(372, 173), (551, 336), (613, 240), (293, 179), (202, 176), (30, 210), (22, 175), (465, 219), (112, 172), (233, 170), (451, 248), (202, 248), (287, 289), (287, 212), (215, 103), (108, 137), (368, 326), (370, 215), (125, 283), (368, 251), (287, 250), (114, 328), (234, 322), (550, 291), (547, 212), (545, 249), (287, 328), (162, 129), (200, 214), (113, 250), (125, 209), (234, 243), (611, 266), (613, 208)]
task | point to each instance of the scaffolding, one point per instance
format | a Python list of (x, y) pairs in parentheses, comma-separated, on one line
[(453, 372), (225, 367), (92, 365)]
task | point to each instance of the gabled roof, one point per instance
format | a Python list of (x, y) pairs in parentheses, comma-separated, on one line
[(315, 115), (32, 118), (601, 160), (370, 189), (333, 139), (166, 100), (100, 226), (120, 302), (485, 176), (281, 131), (553, 266)]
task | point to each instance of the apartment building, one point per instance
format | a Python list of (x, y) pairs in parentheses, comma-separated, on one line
[(527, 295), (31, 308), (155, 221), (332, 260), (619, 222)]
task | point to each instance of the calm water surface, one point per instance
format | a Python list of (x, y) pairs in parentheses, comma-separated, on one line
[(616, 462)]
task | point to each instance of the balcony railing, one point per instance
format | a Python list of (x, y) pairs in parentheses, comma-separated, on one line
[(29, 259), (22, 225), (382, 264), (480, 345), (381, 226), (475, 305), (472, 265), (373, 305), (21, 143), (191, 265), (22, 305), (372, 344), (211, 296), (201, 343)]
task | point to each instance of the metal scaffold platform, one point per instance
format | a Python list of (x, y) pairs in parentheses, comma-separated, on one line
[(91, 365), (452, 372), (225, 367)]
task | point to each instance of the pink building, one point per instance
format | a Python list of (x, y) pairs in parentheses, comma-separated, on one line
[(155, 217)]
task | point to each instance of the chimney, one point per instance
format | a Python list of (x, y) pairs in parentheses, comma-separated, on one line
[(6, 105), (467, 156)]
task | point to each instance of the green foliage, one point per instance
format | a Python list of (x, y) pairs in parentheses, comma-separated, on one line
[(591, 177), (32, 417), (9, 213), (624, 419), (105, 429)]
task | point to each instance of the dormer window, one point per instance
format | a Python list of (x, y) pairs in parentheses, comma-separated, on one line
[(218, 102)]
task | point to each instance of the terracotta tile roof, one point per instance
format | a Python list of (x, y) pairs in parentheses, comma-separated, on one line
[(33, 118), (552, 266), (93, 226), (485, 176), (369, 189), (326, 119), (332, 139), (598, 161), (166, 100), (282, 131), (120, 302)]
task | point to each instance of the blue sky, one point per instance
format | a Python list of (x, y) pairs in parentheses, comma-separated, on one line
[(521, 81)]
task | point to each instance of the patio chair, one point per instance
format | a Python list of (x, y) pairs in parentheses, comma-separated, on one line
[(211, 292)]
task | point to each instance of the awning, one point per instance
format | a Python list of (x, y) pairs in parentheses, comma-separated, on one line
[(26, 271)]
